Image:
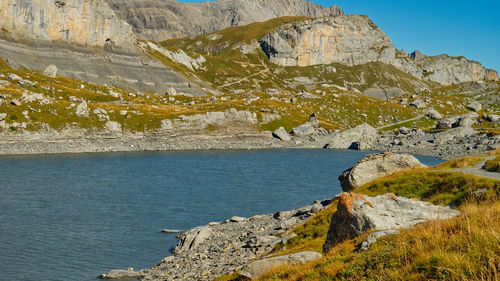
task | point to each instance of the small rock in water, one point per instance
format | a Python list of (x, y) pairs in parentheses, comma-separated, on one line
[(171, 230)]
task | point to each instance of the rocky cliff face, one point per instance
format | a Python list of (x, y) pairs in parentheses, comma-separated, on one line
[(164, 19), (355, 40), (445, 69), (349, 40), (82, 22)]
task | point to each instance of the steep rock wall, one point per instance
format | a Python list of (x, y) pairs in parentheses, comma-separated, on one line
[(82, 22), (349, 40), (355, 40), (164, 19)]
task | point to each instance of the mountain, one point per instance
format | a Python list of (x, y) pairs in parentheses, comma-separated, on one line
[(82, 22), (164, 19)]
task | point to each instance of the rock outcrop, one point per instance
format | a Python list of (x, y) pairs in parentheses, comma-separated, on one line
[(359, 137), (354, 40), (82, 22), (358, 213), (347, 39), (445, 69), (260, 267), (160, 20), (126, 69), (374, 166), (219, 248)]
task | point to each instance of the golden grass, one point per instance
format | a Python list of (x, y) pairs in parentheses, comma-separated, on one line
[(493, 165), (460, 163), (463, 248), (457, 249)]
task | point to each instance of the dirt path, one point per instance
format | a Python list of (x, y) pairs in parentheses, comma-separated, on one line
[(478, 170), (400, 122)]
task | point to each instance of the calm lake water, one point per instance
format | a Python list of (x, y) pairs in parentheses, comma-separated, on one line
[(73, 217)]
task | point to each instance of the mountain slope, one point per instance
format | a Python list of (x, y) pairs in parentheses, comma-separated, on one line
[(164, 19)]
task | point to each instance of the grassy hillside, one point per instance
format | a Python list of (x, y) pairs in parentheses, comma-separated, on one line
[(245, 81), (464, 248)]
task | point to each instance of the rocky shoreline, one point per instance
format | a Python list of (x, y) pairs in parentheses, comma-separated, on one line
[(450, 144), (218, 248)]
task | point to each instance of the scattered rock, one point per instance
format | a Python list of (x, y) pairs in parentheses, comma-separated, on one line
[(260, 267), (307, 128), (492, 118), (15, 102), (455, 133), (358, 213), (475, 106), (374, 166), (433, 114), (14, 77), (113, 127), (50, 71), (282, 134), (418, 103), (404, 131), (171, 91), (3, 116), (82, 110)]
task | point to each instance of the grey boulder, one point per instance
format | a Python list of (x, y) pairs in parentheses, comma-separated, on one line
[(307, 128), (352, 138), (374, 166), (282, 134), (475, 106), (260, 267), (50, 71), (357, 213)]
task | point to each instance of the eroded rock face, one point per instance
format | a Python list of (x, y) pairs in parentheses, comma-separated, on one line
[(354, 40), (358, 213), (445, 69), (82, 22), (347, 39), (374, 166), (160, 20)]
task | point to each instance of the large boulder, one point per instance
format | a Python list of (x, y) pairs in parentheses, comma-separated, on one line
[(433, 114), (374, 166), (190, 240), (351, 138), (307, 128), (82, 110), (358, 213), (282, 134), (260, 267), (455, 133), (458, 120), (50, 71), (475, 106)]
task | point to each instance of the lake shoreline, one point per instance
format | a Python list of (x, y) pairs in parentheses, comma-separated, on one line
[(63, 144)]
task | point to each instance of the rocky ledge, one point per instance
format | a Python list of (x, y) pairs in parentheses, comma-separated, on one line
[(218, 248)]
